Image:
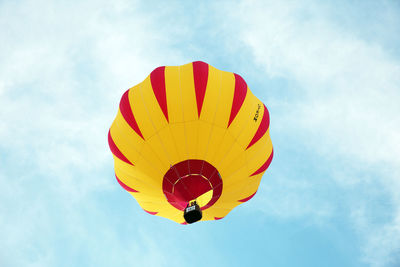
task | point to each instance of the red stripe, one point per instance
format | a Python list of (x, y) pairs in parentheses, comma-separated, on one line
[(200, 74), (247, 198), (126, 111), (265, 165), (238, 97), (218, 218), (124, 186), (157, 78), (114, 149), (151, 212), (262, 128)]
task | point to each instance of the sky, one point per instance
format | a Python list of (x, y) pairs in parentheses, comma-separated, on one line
[(328, 71)]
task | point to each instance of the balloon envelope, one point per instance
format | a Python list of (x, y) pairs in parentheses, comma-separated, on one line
[(190, 132)]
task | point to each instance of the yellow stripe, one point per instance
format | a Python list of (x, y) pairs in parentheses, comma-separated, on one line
[(139, 111), (188, 93), (174, 95), (225, 101), (178, 136), (212, 95), (151, 164), (126, 139), (191, 130), (258, 154), (153, 109), (213, 145), (135, 179), (203, 138), (171, 147), (243, 127)]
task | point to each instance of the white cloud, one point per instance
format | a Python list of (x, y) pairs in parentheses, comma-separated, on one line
[(285, 199), (382, 242), (64, 66), (346, 108), (350, 88), (63, 69)]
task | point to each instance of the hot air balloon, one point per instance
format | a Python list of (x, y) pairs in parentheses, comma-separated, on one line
[(190, 142)]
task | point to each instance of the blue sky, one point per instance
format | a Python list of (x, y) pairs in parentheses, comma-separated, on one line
[(329, 72)]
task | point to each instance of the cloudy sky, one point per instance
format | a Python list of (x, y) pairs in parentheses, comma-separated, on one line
[(328, 71)]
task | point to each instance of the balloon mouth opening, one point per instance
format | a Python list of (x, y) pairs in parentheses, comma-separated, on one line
[(191, 180)]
